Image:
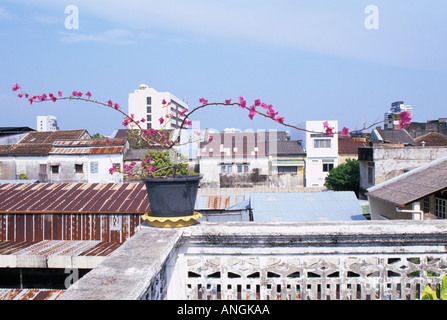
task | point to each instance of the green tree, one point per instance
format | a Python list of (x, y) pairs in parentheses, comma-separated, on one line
[(345, 177)]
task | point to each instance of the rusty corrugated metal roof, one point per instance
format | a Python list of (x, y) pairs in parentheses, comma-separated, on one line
[(58, 248), (30, 294), (73, 198)]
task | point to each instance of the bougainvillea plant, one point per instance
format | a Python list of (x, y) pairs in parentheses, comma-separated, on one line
[(162, 138)]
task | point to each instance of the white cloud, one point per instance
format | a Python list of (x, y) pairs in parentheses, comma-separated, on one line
[(410, 32), (6, 15), (114, 36)]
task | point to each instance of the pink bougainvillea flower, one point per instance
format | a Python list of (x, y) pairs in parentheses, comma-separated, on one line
[(211, 139), (279, 120), (59, 93), (271, 113), (143, 120), (252, 112), (110, 103), (197, 133), (15, 87), (345, 131), (258, 102), (112, 169), (161, 120), (242, 102), (116, 106), (53, 98), (20, 95), (88, 94), (203, 101), (405, 120), (182, 113), (228, 101), (43, 97)]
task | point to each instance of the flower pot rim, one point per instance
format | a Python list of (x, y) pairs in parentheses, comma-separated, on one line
[(172, 179)]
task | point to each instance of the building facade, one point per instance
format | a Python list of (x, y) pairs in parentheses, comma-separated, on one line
[(321, 150), (62, 156), (391, 119), (146, 103), (47, 123)]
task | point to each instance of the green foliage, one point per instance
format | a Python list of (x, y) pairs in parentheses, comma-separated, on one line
[(23, 176), (163, 161), (98, 136), (345, 177), (430, 294)]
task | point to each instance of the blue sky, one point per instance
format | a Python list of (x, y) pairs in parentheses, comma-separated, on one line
[(313, 60)]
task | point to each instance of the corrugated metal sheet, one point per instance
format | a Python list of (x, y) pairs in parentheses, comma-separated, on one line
[(74, 198), (58, 248), (30, 294), (224, 198), (292, 207)]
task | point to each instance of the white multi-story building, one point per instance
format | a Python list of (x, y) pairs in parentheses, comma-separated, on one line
[(47, 123), (321, 150), (147, 103), (391, 117)]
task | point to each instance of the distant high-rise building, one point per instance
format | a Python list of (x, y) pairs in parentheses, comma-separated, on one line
[(146, 103), (47, 123), (391, 119)]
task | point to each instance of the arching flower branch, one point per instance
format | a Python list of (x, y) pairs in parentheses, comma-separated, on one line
[(161, 138)]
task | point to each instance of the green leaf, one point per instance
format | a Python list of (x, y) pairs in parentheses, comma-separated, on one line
[(429, 294), (444, 288)]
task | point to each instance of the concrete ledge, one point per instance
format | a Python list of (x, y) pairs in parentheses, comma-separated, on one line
[(129, 271), (137, 270)]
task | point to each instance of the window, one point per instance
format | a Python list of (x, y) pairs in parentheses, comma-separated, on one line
[(93, 167), (371, 173), (287, 169), (440, 208), (54, 169), (239, 168), (149, 117), (226, 168), (328, 166), (322, 143), (427, 204), (149, 109), (79, 168), (246, 168), (149, 101), (148, 125)]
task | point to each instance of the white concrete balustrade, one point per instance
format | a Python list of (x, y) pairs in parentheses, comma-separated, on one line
[(386, 260)]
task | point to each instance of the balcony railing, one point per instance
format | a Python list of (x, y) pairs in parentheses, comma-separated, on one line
[(386, 260)]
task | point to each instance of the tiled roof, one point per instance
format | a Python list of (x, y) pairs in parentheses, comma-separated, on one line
[(40, 143), (413, 185), (50, 137), (349, 145), (396, 137), (432, 139), (288, 147)]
